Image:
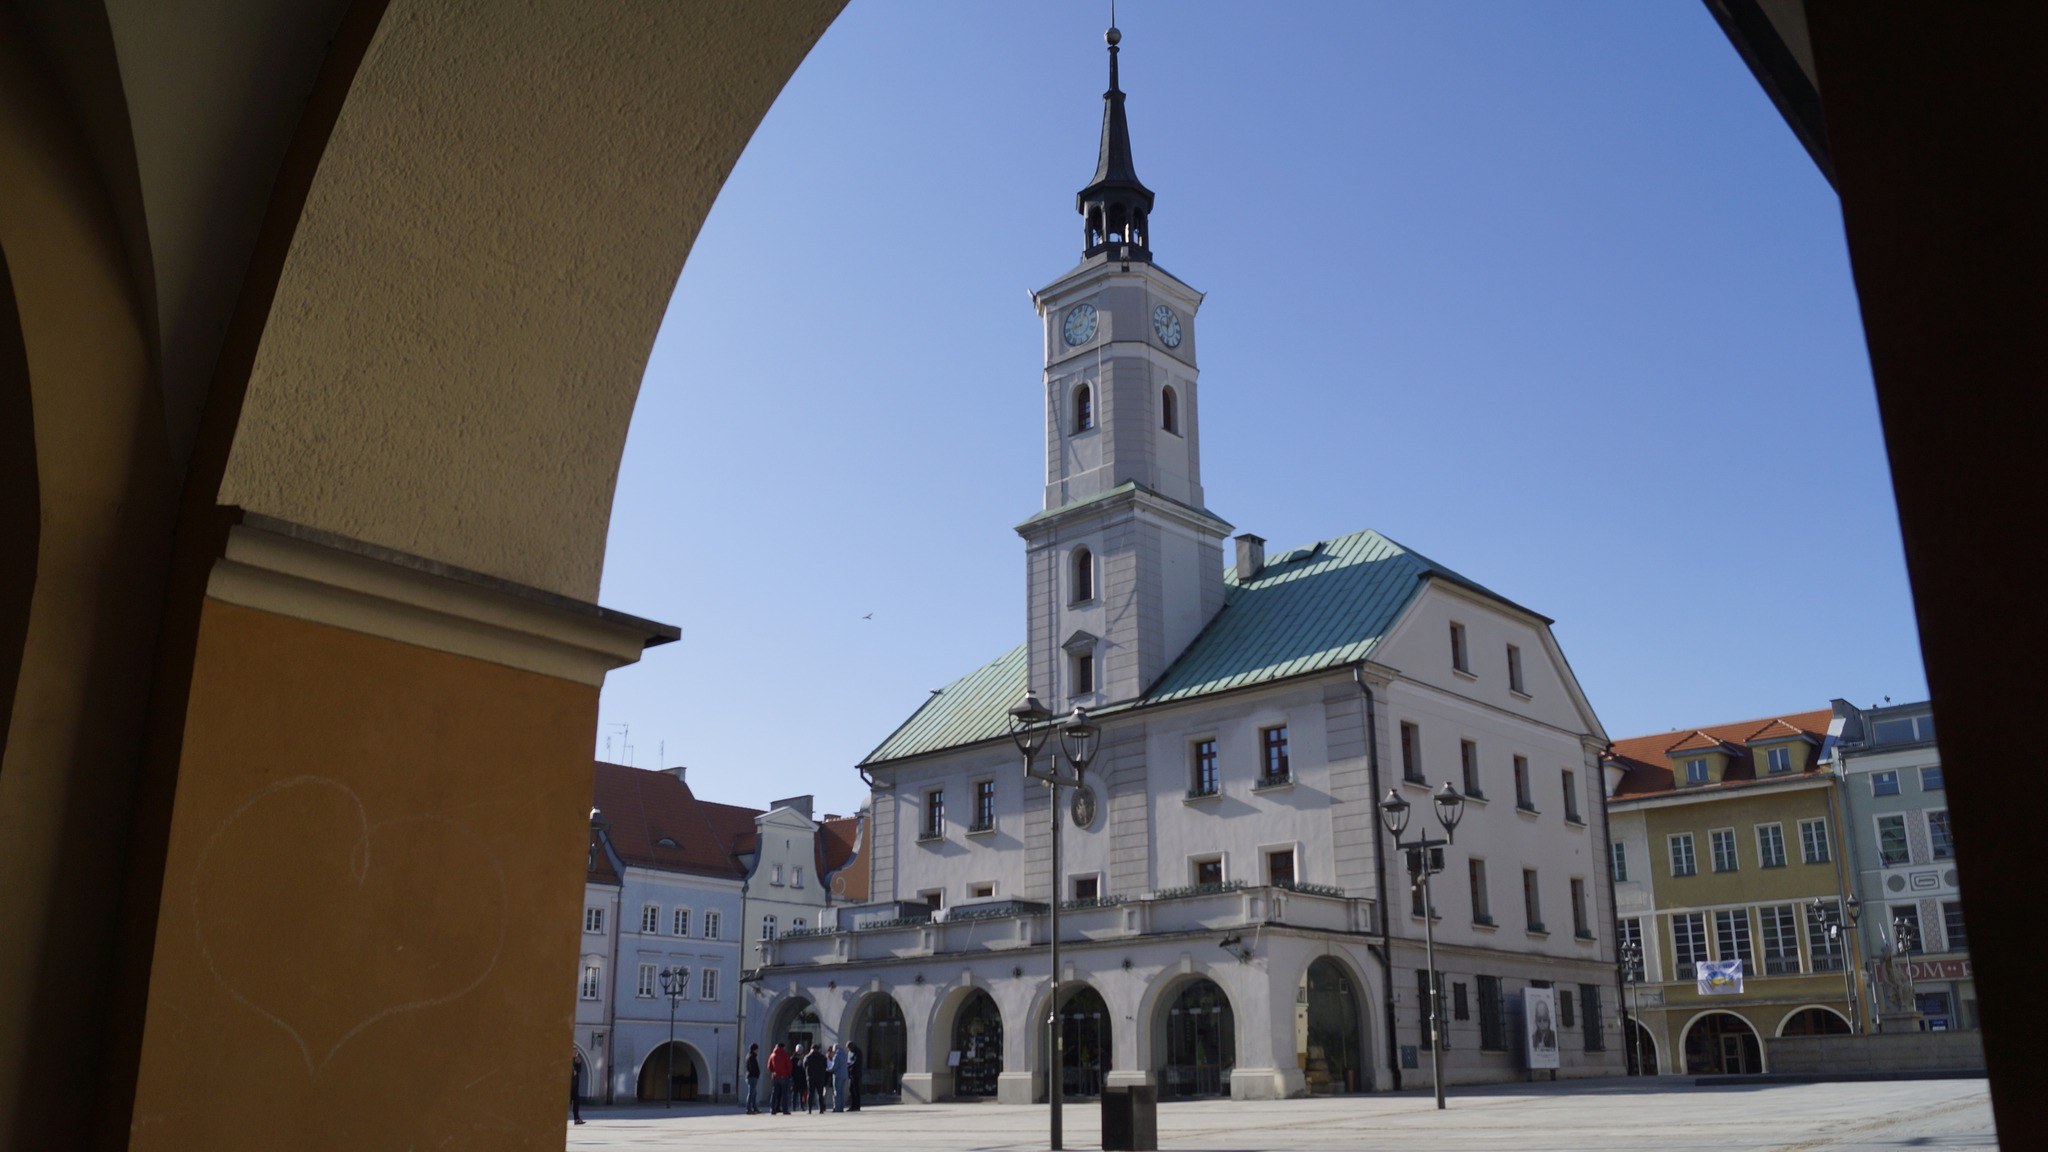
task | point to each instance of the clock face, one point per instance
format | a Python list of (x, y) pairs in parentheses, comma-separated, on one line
[(1083, 807), (1080, 325), (1167, 325)]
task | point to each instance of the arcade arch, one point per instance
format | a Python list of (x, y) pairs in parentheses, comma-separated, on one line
[(1194, 1038), (1814, 1020), (876, 1023), (1332, 1039), (1720, 1043), (688, 1074)]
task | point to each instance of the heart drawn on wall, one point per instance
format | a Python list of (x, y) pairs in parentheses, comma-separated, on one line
[(327, 924)]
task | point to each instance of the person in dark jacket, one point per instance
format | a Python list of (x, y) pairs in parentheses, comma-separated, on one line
[(753, 1079), (855, 1065), (779, 1065), (800, 1077), (814, 1077), (576, 1087)]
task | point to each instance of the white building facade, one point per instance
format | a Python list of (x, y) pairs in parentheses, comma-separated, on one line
[(1235, 920)]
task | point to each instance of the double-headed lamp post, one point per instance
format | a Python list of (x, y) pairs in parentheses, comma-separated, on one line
[(1030, 727), (1632, 975), (1450, 808), (672, 982), (1837, 926)]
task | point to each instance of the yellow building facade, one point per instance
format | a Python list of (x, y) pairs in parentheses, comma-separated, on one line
[(1728, 849)]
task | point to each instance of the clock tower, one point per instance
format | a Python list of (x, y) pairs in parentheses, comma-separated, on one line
[(1125, 563)]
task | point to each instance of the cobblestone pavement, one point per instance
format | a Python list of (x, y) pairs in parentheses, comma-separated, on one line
[(1586, 1116)]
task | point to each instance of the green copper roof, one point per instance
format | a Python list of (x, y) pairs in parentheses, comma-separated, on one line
[(1320, 607)]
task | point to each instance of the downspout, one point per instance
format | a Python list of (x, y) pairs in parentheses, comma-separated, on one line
[(1379, 871), (1628, 1020)]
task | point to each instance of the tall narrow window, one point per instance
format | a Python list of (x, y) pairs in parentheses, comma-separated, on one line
[(1084, 409), (984, 806), (1617, 855), (1582, 927), (1203, 782), (767, 927), (1273, 754), (1891, 840), (1083, 673), (1826, 950), (1731, 936), (1515, 671), (645, 990), (1688, 943), (1524, 799), (682, 925), (1682, 860), (710, 989), (1460, 659), (796, 876), (650, 918), (590, 982), (1411, 752), (1770, 845), (1952, 925), (1084, 576), (1280, 868), (1633, 960), (934, 814), (1723, 841), (1532, 900), (1813, 841), (1939, 839), (1571, 797), (1780, 932), (1169, 411), (1493, 1033), (1482, 906), (1595, 1033), (1468, 759), (711, 925)]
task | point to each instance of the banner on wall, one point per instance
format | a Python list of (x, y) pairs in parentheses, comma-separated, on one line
[(1719, 977), (1539, 1027)]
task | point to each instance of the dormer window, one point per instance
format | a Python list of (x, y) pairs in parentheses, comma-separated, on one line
[(1084, 409), (1696, 770), (1083, 581), (1779, 759), (1169, 411)]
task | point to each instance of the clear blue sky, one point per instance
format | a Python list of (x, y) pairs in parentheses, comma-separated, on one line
[(1547, 292)]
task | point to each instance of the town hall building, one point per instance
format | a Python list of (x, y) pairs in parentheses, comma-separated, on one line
[(1234, 918)]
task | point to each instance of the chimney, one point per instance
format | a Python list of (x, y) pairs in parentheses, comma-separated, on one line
[(1251, 557), (802, 805)]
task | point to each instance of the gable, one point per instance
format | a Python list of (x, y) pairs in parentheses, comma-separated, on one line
[(1419, 647)]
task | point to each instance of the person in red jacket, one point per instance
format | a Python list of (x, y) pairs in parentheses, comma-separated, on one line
[(780, 1068)]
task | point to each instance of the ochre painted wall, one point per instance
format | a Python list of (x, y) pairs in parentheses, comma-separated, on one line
[(368, 841)]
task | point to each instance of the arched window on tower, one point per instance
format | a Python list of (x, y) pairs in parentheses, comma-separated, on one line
[(1084, 409), (1083, 583), (1169, 411)]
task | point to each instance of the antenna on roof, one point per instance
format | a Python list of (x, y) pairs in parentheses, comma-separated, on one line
[(625, 743)]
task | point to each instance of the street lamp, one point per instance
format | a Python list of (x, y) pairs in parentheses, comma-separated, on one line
[(1631, 975), (672, 982), (1837, 927), (1423, 862), (1030, 728)]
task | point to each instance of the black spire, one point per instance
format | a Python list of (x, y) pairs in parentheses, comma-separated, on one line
[(1115, 205)]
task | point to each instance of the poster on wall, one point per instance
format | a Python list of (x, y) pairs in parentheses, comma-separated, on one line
[(1719, 977), (1539, 1018)]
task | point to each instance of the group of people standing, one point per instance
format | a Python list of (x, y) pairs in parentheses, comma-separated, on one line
[(812, 1077)]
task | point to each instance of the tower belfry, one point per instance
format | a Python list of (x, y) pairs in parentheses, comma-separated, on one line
[(1125, 561)]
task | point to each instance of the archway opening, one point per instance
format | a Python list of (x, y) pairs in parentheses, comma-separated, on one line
[(670, 1072), (1329, 1033), (879, 1029), (978, 1038), (796, 1022), (1642, 1050), (1814, 1022), (1084, 1042), (1200, 1042), (1722, 1044)]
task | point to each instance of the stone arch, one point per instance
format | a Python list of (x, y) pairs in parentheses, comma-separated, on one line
[(691, 1075), (968, 1019), (1319, 1006), (1192, 1025), (1814, 1020), (1718, 1042), (1644, 1053), (876, 1021), (791, 1016), (1089, 1043)]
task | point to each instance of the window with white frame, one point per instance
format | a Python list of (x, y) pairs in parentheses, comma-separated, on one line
[(981, 890), (1779, 926), (709, 988), (768, 927), (1731, 936), (1813, 841), (1203, 781), (934, 826), (591, 987), (1696, 770), (775, 874), (1770, 845), (984, 806), (682, 925), (1884, 783), (1688, 942), (1778, 759), (796, 876), (797, 925), (1939, 839), (650, 918), (1206, 869), (711, 925), (1723, 841), (1280, 867), (645, 990), (593, 919), (1617, 856), (1682, 861), (1892, 849), (1273, 763)]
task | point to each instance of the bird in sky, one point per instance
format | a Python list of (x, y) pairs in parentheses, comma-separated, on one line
[(869, 616)]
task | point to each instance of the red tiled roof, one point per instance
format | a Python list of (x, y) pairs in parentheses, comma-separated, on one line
[(1646, 763), (658, 823)]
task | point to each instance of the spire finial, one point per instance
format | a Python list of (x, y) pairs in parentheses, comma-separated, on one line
[(1115, 204)]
